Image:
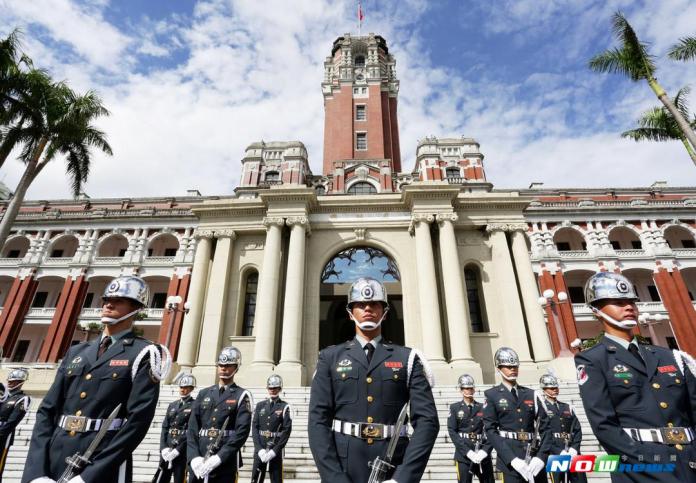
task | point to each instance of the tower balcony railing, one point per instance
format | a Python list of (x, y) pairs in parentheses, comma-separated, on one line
[(456, 179), (574, 254), (630, 253)]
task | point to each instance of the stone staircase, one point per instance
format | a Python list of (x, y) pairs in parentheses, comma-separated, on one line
[(299, 465)]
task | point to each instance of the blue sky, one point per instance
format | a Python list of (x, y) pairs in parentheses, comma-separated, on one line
[(191, 83)]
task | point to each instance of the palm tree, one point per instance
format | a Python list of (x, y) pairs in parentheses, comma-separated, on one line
[(684, 50), (633, 60), (60, 123), (657, 124)]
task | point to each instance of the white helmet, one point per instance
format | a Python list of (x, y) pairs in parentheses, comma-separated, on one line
[(19, 374), (548, 381), (127, 287), (187, 380), (465, 382), (609, 286), (274, 380), (367, 290), (230, 356), (506, 356)]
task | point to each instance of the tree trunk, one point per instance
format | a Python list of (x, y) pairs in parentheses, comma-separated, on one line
[(33, 168), (689, 149), (683, 123)]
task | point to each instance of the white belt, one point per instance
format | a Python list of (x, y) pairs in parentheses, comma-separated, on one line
[(368, 430), (82, 424), (471, 436), (674, 435), (213, 433), (518, 435)]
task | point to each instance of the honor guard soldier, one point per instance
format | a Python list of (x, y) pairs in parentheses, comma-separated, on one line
[(512, 425), (358, 391), (562, 429), (219, 425), (173, 437), (14, 406), (640, 399), (116, 370), (465, 427), (270, 429)]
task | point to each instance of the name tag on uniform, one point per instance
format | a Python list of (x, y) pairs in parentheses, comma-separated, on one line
[(664, 369), (118, 362), (231, 401), (279, 412), (393, 364), (528, 401)]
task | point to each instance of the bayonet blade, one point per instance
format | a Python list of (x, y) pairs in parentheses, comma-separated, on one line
[(101, 433), (401, 420)]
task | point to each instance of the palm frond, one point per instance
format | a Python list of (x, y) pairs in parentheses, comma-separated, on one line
[(648, 134), (685, 49)]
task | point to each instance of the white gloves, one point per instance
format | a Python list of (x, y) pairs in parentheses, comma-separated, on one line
[(270, 454), (520, 466), (198, 465), (212, 463), (262, 455), (172, 455), (76, 479), (165, 453), (481, 455), (43, 479), (535, 466), (572, 452), (391, 481), (471, 455)]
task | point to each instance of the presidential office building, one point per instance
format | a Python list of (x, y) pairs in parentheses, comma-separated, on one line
[(267, 269)]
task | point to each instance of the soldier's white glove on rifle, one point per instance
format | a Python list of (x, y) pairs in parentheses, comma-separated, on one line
[(197, 465), (262, 455), (270, 454), (391, 481), (471, 455), (212, 463), (76, 479), (171, 456), (520, 466), (535, 466), (43, 479), (572, 452), (481, 455), (164, 453)]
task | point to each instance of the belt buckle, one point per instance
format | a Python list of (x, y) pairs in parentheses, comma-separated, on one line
[(565, 436), (522, 436), (76, 423), (374, 431), (473, 436), (674, 435), (213, 433)]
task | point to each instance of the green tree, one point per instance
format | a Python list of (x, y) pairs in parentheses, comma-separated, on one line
[(633, 60), (59, 123), (685, 49), (658, 124)]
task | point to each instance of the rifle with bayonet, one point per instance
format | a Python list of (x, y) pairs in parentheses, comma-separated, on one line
[(78, 461), (214, 445), (382, 466)]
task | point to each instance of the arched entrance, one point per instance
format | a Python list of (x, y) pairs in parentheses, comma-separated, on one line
[(337, 276)]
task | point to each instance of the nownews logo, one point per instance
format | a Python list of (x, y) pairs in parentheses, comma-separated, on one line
[(608, 463)]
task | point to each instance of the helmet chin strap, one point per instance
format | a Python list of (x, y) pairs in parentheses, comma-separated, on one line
[(623, 324), (367, 325), (507, 378), (112, 321)]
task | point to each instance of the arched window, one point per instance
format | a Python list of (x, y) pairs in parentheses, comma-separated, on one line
[(272, 176), (252, 283), (474, 293), (453, 172), (362, 188), (359, 61)]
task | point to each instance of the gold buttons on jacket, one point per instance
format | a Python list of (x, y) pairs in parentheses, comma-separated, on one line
[(396, 376), (370, 399), (83, 395), (78, 413), (679, 447), (370, 440), (664, 405), (370, 419), (656, 385), (214, 419), (343, 376), (369, 380), (72, 433), (677, 380), (625, 381), (114, 375), (88, 377)]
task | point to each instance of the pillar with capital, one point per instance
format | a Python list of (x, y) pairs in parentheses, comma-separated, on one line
[(290, 366), (513, 330), (216, 301), (456, 303), (267, 306), (427, 290), (188, 347)]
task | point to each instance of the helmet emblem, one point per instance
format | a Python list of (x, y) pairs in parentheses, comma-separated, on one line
[(622, 286), (224, 358), (367, 292)]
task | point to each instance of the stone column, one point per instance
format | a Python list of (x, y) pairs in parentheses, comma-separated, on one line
[(457, 306), (427, 289), (188, 348), (514, 333), (290, 357), (267, 298), (216, 301), (530, 296)]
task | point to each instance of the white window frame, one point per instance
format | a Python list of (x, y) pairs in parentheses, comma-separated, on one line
[(357, 135), (364, 111)]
